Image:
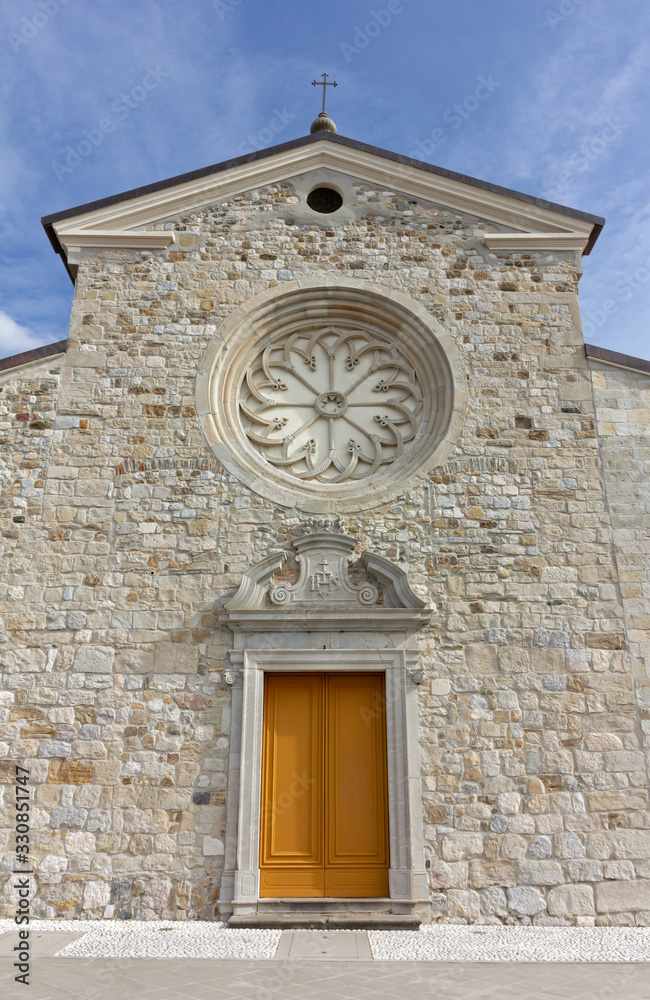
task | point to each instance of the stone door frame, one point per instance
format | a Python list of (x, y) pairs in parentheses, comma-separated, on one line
[(241, 879), (324, 621)]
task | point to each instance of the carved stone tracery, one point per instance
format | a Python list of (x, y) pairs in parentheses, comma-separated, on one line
[(332, 405)]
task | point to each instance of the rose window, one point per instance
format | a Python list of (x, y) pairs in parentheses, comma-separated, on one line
[(331, 394), (331, 406)]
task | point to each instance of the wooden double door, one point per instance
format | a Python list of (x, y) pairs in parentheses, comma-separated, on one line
[(324, 806)]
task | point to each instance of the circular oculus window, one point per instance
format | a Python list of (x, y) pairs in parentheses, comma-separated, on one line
[(331, 396), (324, 200)]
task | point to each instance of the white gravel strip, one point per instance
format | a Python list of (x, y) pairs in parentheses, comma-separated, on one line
[(438, 943), (157, 939), (459, 943)]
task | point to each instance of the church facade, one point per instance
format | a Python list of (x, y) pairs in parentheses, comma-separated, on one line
[(326, 589)]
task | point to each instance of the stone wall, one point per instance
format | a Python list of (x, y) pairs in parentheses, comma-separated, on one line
[(622, 400), (28, 404), (534, 786)]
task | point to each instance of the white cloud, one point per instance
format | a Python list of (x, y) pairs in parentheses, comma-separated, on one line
[(571, 134), (597, 73), (15, 338)]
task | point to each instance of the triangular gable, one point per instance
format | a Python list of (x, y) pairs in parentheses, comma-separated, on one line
[(121, 221)]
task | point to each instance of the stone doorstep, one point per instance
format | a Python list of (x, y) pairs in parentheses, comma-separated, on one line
[(328, 920), (333, 904), (343, 913)]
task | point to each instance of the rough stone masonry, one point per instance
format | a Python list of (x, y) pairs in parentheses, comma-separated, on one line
[(122, 537)]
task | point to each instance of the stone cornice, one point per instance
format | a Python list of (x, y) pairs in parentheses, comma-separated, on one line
[(326, 620), (536, 241), (119, 240)]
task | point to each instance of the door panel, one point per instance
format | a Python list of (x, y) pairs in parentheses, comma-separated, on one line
[(324, 828), (291, 849), (356, 857)]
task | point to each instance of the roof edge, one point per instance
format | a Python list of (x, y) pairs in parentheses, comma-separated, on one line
[(36, 354), (48, 220), (616, 359)]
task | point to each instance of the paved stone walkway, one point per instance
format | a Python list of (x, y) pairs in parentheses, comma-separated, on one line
[(315, 979)]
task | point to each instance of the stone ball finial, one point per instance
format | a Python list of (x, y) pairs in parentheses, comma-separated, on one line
[(323, 124)]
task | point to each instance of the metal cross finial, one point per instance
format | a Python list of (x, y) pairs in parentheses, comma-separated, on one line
[(324, 83)]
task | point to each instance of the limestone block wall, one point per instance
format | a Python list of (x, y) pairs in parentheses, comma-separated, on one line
[(534, 783), (28, 409), (622, 400)]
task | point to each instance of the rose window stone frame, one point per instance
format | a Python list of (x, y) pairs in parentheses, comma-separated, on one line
[(331, 395)]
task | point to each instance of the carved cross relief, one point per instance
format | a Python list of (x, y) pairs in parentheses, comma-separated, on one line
[(322, 581), (324, 574)]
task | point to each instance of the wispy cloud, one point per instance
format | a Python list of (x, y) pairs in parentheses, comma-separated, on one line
[(15, 338), (564, 98), (571, 133)]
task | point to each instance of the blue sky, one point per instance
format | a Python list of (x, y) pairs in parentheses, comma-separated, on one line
[(562, 114)]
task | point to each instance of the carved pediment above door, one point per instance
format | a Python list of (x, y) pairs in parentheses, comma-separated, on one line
[(325, 594)]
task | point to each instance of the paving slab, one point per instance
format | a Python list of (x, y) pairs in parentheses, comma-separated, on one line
[(310, 979), (332, 945), (42, 944)]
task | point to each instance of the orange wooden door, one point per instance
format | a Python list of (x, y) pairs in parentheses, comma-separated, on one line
[(324, 829)]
